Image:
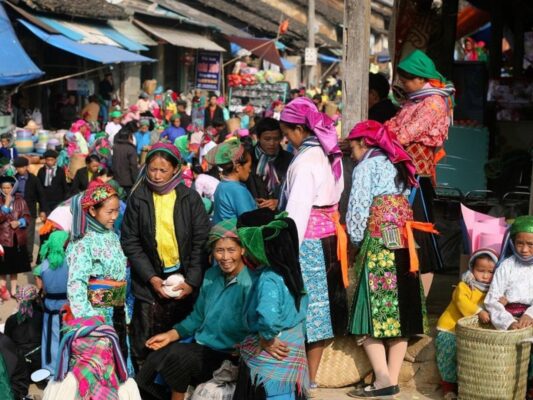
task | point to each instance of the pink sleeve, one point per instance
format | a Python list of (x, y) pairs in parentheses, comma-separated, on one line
[(426, 122)]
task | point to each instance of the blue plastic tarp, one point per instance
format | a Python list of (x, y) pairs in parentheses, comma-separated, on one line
[(95, 52), (15, 65), (328, 59)]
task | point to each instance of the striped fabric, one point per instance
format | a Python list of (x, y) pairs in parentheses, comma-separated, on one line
[(278, 377), (91, 351)]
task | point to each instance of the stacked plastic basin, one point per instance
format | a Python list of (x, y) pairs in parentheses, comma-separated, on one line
[(42, 141), (24, 142), (52, 144)]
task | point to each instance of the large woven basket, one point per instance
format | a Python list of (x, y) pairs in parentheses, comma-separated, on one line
[(343, 363), (491, 364)]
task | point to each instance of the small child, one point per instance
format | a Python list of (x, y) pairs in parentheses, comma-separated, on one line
[(467, 300), (7, 150)]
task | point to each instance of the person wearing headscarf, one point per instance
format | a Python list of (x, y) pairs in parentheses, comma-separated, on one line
[(388, 306), (513, 278), (467, 300), (25, 326), (310, 194), (53, 273), (113, 126), (143, 135), (82, 133), (163, 233), (274, 363), (174, 130), (269, 164), (14, 219), (421, 126), (215, 322), (234, 163), (97, 265)]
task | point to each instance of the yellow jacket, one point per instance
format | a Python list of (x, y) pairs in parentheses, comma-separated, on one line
[(465, 302)]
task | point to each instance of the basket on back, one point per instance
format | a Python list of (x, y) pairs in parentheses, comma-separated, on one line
[(491, 364)]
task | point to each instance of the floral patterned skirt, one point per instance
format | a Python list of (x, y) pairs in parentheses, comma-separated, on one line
[(389, 301)]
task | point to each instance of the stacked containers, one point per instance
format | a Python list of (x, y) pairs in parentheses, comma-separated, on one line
[(24, 142), (42, 141)]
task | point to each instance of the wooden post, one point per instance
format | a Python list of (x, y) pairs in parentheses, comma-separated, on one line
[(356, 64), (311, 26)]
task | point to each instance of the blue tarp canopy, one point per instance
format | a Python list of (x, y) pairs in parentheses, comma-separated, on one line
[(15, 65), (96, 52)]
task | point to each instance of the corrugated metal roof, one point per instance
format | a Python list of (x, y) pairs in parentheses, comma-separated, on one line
[(181, 38), (131, 31)]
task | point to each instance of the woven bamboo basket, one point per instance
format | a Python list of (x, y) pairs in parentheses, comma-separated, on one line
[(491, 364), (343, 363)]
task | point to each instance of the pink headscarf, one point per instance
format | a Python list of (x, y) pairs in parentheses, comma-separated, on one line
[(377, 135), (302, 111)]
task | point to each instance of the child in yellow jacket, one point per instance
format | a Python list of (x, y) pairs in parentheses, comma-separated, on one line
[(467, 300)]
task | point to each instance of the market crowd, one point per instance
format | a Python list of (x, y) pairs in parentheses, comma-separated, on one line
[(192, 245)]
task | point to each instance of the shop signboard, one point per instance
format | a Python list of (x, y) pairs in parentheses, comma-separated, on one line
[(208, 70)]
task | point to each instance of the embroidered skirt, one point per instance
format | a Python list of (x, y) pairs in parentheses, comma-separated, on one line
[(321, 271), (389, 301)]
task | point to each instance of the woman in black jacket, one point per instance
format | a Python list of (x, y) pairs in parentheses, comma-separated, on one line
[(164, 232), (124, 161)]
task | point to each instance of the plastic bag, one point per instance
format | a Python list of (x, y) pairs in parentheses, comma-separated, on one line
[(221, 387)]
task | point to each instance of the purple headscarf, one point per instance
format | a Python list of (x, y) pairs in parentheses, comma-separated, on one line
[(302, 111), (377, 135)]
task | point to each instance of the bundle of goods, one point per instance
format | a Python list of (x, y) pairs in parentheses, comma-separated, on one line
[(258, 77)]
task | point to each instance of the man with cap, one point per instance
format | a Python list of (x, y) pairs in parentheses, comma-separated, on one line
[(32, 191), (53, 180), (113, 126)]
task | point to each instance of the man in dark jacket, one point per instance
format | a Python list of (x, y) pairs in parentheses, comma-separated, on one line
[(212, 112), (84, 175), (33, 193), (138, 238), (380, 107), (53, 180), (125, 161), (269, 164)]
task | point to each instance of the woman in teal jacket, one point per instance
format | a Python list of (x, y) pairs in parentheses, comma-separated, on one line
[(214, 323), (273, 359)]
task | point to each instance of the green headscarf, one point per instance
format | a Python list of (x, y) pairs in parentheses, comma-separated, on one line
[(253, 240), (225, 153), (54, 249), (523, 224), (419, 64), (224, 229)]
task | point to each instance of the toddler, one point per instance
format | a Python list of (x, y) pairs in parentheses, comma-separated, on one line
[(467, 300)]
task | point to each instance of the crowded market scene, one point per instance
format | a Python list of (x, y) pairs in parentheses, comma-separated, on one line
[(266, 200)]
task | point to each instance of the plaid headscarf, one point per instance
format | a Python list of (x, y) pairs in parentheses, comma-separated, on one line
[(224, 229), (26, 296)]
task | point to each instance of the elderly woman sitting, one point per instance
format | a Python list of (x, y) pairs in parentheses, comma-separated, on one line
[(214, 323)]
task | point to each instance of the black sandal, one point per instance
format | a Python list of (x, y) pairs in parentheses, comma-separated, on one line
[(369, 392)]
